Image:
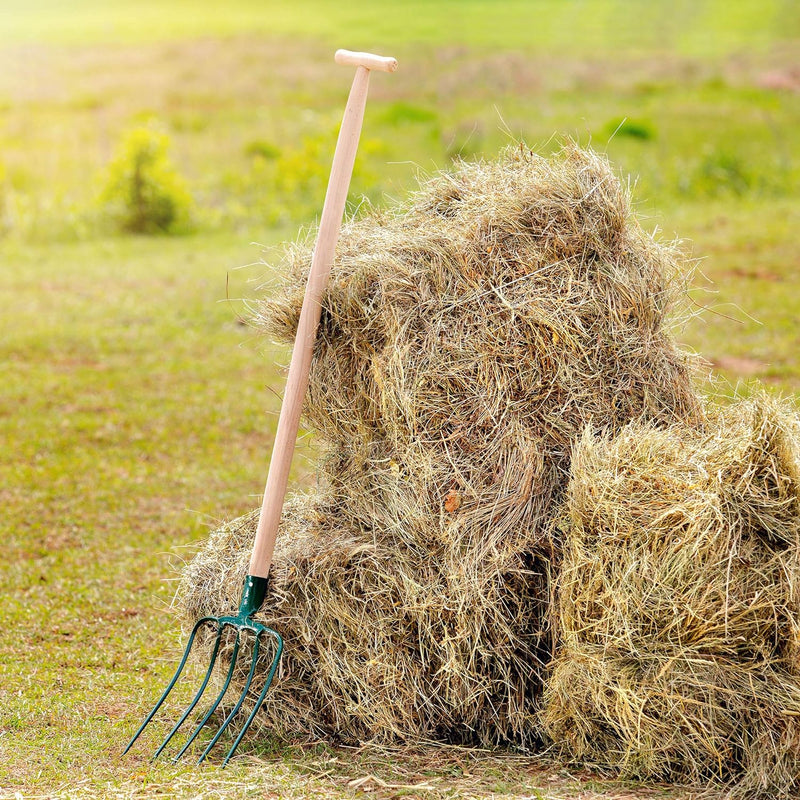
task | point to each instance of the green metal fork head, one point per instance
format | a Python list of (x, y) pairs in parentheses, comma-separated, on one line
[(253, 594)]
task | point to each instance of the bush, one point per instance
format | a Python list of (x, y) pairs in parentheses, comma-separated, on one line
[(640, 129), (143, 191), (259, 148)]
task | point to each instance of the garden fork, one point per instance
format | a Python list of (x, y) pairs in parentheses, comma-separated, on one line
[(256, 581)]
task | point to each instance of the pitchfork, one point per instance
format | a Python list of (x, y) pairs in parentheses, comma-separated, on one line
[(257, 580)]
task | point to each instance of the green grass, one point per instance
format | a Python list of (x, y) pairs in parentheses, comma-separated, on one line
[(135, 410), (704, 29), (254, 147)]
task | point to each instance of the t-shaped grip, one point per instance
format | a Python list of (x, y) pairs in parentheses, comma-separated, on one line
[(368, 60)]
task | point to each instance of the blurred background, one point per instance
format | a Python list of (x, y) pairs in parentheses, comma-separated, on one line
[(697, 101), (144, 146)]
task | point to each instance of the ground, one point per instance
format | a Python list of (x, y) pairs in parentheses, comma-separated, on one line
[(136, 411)]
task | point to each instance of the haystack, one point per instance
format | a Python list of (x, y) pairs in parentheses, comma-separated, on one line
[(467, 339), (678, 619)]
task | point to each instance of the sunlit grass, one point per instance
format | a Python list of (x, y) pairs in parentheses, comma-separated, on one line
[(254, 147), (135, 410), (704, 28), (139, 412)]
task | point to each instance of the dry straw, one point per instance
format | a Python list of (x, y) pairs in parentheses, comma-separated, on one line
[(467, 339), (678, 619)]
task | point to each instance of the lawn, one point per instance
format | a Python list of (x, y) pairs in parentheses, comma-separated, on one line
[(136, 411)]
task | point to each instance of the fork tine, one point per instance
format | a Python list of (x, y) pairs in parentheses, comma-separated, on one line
[(275, 661), (171, 684), (218, 700), (196, 698), (239, 702)]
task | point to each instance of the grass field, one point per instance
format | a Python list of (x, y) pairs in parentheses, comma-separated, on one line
[(136, 411)]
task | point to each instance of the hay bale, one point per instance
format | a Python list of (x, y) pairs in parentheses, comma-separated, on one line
[(466, 340), (469, 337), (678, 616), (379, 645)]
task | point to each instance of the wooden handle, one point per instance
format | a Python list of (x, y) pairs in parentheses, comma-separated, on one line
[(297, 380), (368, 60)]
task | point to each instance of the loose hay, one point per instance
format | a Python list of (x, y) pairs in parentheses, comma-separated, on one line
[(466, 340), (678, 622), (380, 647)]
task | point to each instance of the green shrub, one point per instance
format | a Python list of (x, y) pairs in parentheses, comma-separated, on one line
[(302, 173), (259, 148), (287, 186), (640, 129), (143, 191)]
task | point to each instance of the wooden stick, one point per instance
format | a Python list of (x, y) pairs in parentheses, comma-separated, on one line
[(321, 261)]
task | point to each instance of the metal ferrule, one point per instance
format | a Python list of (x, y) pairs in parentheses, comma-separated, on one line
[(253, 593)]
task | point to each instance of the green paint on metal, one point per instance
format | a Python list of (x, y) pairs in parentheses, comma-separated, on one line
[(253, 593)]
